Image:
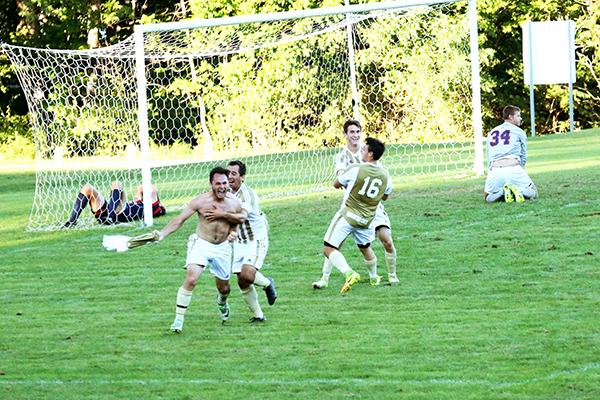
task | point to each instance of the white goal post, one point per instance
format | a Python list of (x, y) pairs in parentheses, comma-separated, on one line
[(176, 99)]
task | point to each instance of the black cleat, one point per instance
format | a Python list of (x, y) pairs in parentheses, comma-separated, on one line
[(256, 320), (271, 292)]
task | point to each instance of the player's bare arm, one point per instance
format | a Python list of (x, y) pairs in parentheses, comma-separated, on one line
[(218, 211), (216, 230), (176, 222)]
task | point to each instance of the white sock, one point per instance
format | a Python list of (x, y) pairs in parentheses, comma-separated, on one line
[(251, 299), (390, 261), (338, 260), (371, 267), (326, 270), (183, 301), (222, 298), (261, 280)]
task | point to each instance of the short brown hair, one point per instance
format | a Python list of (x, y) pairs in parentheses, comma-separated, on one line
[(510, 110), (351, 122), (376, 147), (217, 171)]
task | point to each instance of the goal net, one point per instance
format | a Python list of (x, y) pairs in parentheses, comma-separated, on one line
[(271, 92)]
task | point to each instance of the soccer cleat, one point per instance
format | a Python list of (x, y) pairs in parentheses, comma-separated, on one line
[(508, 193), (223, 311), (393, 279), (375, 281), (350, 280), (257, 320), (271, 292), (177, 326), (69, 224), (516, 193), (320, 284)]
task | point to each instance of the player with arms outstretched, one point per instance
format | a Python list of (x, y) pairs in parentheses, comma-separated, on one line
[(366, 185), (350, 155), (209, 244), (506, 150), (252, 242)]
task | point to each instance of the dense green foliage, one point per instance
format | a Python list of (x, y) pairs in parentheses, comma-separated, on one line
[(502, 68), (496, 301), (71, 25)]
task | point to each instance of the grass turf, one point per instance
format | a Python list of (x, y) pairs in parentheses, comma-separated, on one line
[(496, 301)]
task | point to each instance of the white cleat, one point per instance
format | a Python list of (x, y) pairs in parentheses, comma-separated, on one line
[(320, 284), (393, 279), (223, 311), (177, 326)]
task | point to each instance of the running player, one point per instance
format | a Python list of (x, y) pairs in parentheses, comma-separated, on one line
[(210, 244), (252, 242)]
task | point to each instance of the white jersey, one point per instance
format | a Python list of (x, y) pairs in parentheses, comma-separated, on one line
[(255, 226), (506, 141), (345, 158)]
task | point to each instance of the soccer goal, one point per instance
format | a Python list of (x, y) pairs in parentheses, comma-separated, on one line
[(176, 99)]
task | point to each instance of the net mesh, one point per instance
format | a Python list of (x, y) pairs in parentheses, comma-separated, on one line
[(273, 94)]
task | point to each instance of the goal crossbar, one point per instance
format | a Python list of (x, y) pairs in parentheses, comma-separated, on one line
[(286, 15)]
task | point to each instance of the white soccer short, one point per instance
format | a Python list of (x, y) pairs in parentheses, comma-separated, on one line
[(515, 175), (201, 252), (251, 253), (339, 229), (381, 219)]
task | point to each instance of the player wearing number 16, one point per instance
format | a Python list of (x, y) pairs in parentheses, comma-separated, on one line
[(506, 156), (366, 185)]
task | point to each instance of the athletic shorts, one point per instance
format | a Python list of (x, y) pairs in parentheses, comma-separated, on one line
[(251, 253), (381, 220), (102, 216), (515, 175), (339, 229), (201, 252), (132, 211)]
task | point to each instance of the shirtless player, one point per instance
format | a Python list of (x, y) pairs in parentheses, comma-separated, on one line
[(210, 243)]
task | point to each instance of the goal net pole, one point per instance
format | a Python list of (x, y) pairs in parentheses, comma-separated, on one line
[(355, 106), (476, 89), (143, 131)]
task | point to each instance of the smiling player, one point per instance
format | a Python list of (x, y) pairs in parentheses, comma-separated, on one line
[(210, 243)]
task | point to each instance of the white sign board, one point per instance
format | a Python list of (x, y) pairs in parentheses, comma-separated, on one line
[(549, 52)]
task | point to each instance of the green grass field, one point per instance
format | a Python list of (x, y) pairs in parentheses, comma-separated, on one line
[(496, 301)]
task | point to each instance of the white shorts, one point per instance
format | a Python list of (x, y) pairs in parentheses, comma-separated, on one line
[(381, 219), (339, 229), (251, 253), (515, 175), (201, 252)]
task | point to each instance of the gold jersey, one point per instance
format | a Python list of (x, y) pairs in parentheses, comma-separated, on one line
[(366, 184)]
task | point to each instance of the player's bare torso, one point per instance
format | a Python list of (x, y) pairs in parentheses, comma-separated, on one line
[(215, 231)]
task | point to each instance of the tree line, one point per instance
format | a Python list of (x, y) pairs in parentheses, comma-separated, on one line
[(82, 24)]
